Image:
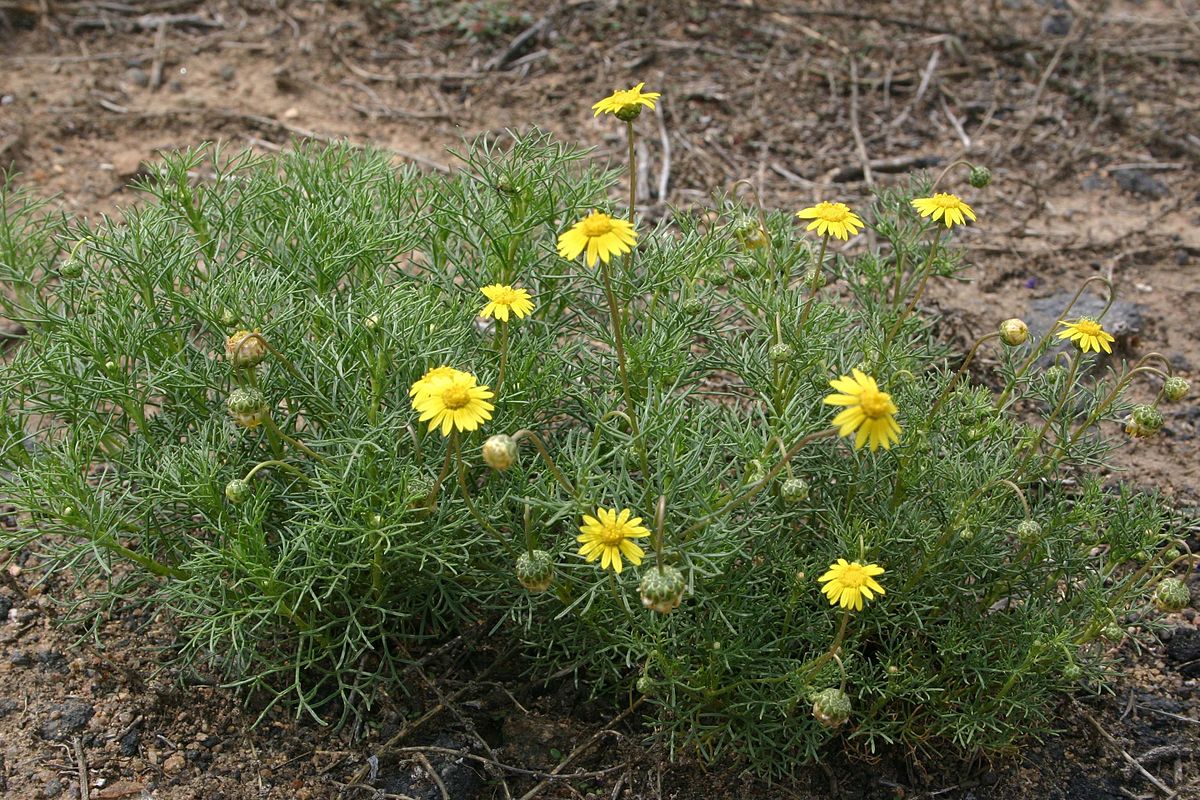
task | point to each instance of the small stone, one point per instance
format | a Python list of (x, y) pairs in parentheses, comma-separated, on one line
[(137, 77), (1056, 24), (66, 719), (1140, 182), (131, 741), (5, 606), (174, 764), (53, 788), (227, 72)]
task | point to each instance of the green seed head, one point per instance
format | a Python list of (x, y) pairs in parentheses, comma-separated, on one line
[(1172, 594), (1029, 532), (694, 306), (1175, 388), (782, 353), (1113, 632), (662, 591), (1144, 421), (1054, 373), (245, 348), (238, 491), (629, 113), (535, 570), (499, 452), (71, 268), (1072, 672), (980, 177), (794, 490), (248, 407), (815, 278), (647, 685), (832, 707), (750, 233)]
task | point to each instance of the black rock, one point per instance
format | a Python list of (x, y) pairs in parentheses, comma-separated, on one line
[(5, 606), (131, 741), (20, 658), (7, 706), (1139, 182), (53, 788), (73, 717), (1056, 24), (1184, 645)]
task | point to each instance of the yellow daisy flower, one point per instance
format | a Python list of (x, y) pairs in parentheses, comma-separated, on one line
[(607, 536), (503, 299), (453, 402), (848, 582), (834, 219), (868, 411), (1088, 334), (626, 103), (601, 235), (426, 381), (944, 207)]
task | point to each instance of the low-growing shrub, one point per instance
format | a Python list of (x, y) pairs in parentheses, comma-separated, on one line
[(326, 413)]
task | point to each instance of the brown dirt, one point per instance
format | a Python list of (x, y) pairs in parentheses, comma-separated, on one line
[(1087, 113)]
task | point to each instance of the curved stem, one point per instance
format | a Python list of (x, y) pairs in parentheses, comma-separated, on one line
[(1068, 385), (546, 457), (466, 496), (816, 277), (296, 443), (833, 648), (916, 298), (1115, 393), (960, 162), (962, 368), (275, 463)]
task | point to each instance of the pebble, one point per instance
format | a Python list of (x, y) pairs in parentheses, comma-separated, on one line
[(1141, 183), (137, 77), (66, 719), (227, 72), (174, 764)]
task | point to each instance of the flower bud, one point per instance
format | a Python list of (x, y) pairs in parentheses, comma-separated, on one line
[(794, 490), (248, 407), (831, 707), (418, 487), (499, 452), (1144, 421), (1072, 672), (245, 348), (744, 269), (694, 306), (782, 353), (1029, 532), (662, 590), (715, 275), (71, 268), (750, 233), (815, 278), (238, 491), (1013, 332), (755, 472), (535, 570), (1054, 373), (979, 177), (647, 685), (1113, 632), (371, 322), (1175, 388), (1172, 594), (228, 318)]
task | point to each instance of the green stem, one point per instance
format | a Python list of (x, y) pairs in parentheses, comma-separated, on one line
[(916, 298), (962, 368), (503, 345), (441, 478), (296, 443), (833, 648), (466, 496), (1116, 392), (275, 463), (632, 138), (816, 277), (1068, 385), (547, 458)]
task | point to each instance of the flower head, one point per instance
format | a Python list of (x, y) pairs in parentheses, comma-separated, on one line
[(607, 536), (601, 235), (626, 104), (1014, 332), (867, 410), (848, 582), (1088, 334), (248, 407), (245, 348), (504, 299), (944, 207), (453, 402), (832, 219), (426, 381)]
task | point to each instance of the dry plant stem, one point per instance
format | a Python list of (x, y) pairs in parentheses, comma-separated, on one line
[(753, 491), (962, 368), (816, 277), (916, 298), (1040, 346), (296, 443), (547, 458)]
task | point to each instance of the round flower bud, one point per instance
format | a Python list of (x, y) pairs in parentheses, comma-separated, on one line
[(499, 452), (782, 353), (1175, 388), (248, 407), (228, 318), (1172, 594), (815, 278), (71, 268), (1013, 332), (647, 685), (694, 306), (371, 322), (110, 367), (535, 570), (1072, 672), (1029, 532), (662, 590), (1113, 632), (715, 275), (238, 491), (245, 348), (750, 233), (1054, 373), (743, 270), (831, 707), (794, 490), (979, 177), (418, 487), (1144, 421), (375, 520)]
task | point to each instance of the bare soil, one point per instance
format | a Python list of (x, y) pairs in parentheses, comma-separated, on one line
[(1088, 114)]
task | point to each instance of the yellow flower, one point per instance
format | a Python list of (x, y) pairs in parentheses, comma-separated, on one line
[(454, 401), (599, 234), (848, 582), (944, 207), (505, 299), (607, 535), (868, 411), (626, 103), (427, 380), (1088, 334), (832, 219)]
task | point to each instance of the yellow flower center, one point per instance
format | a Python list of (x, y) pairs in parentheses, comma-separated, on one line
[(874, 403), (944, 200), (455, 397), (1088, 327), (597, 225), (612, 534), (833, 212), (505, 297), (853, 576)]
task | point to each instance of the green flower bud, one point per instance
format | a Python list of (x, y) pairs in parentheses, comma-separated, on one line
[(1054, 373), (715, 275), (980, 176), (371, 323), (782, 353), (1172, 594), (832, 707), (228, 318), (647, 686), (245, 348), (417, 487), (375, 520), (238, 491), (750, 233), (755, 471), (794, 490), (248, 407), (499, 452), (815, 278), (662, 590), (1175, 388), (535, 570), (1014, 332), (694, 306), (71, 268), (743, 270), (1029, 532), (628, 113), (1072, 672), (1113, 632), (1144, 421)]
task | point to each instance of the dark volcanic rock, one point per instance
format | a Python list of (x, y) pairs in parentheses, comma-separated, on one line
[(66, 719)]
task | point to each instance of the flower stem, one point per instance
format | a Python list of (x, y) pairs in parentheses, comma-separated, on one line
[(546, 457), (441, 478), (816, 277), (916, 298), (503, 345), (296, 443), (962, 368), (833, 648), (632, 138), (275, 463)]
